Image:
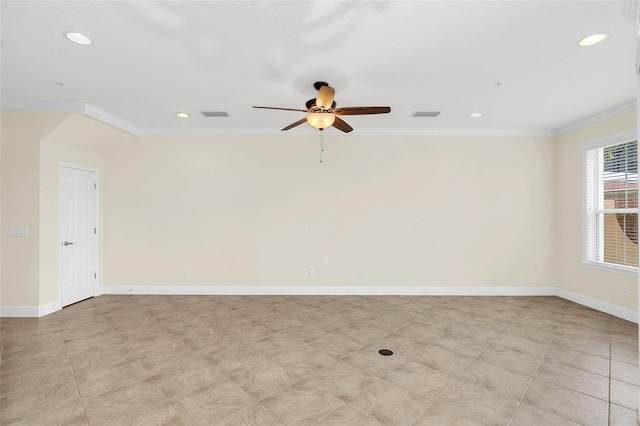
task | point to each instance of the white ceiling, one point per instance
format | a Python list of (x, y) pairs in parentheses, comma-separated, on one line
[(150, 59)]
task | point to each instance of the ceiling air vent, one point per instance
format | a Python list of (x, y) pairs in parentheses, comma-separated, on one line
[(215, 113), (428, 114)]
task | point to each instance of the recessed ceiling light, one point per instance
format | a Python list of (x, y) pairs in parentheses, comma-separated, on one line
[(592, 39), (78, 38), (475, 115), (183, 115)]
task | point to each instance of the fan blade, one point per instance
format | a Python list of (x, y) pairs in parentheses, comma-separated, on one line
[(362, 110), (282, 109), (325, 97), (341, 125), (297, 123)]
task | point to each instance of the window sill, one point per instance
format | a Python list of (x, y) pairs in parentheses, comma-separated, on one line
[(607, 267)]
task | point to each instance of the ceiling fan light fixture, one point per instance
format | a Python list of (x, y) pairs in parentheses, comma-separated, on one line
[(320, 120), (325, 97)]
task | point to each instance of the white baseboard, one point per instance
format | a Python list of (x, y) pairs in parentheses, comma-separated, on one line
[(598, 305), (30, 311), (49, 308), (331, 291), (627, 314), (19, 311)]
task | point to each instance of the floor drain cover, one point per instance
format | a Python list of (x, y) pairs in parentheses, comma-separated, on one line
[(385, 352)]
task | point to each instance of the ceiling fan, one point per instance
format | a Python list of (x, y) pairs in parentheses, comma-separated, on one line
[(322, 111)]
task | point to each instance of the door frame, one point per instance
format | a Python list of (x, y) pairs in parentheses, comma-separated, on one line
[(96, 247)]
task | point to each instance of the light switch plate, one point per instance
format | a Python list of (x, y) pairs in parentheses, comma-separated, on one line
[(18, 231)]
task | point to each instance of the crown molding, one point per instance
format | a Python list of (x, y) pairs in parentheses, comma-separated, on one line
[(605, 115), (114, 121)]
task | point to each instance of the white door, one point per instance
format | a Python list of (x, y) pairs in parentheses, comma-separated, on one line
[(78, 234)]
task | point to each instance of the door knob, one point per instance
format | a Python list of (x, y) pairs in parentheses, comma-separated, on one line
[(66, 243)]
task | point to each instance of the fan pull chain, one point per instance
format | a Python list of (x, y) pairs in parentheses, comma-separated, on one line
[(321, 147)]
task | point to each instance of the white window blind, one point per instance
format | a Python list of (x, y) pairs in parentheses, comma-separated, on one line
[(611, 204)]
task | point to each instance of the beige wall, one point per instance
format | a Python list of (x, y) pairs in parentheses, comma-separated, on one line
[(21, 134), (239, 210), (388, 211), (33, 145), (81, 141), (573, 275)]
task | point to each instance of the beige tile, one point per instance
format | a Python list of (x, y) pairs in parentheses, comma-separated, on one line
[(264, 379), (542, 334), (489, 322), (192, 375), (365, 333), (162, 415), (623, 354), (336, 344), (341, 379), (420, 332), (32, 345), (438, 322), (499, 380), (277, 344), (100, 380), (254, 414), (212, 404), (14, 381), (399, 344), (624, 394), (621, 416), (100, 358), (591, 345), (122, 403), (301, 404), (347, 415), (89, 330), (370, 360), (172, 356), (472, 402), (251, 332), (208, 332), (62, 392), (624, 372), (236, 359), (310, 331), (625, 340), (304, 360), (152, 344), (528, 416), (462, 345), (199, 331), (473, 331), (99, 341), (501, 356), (579, 360), (280, 322), (572, 378), (390, 404), (143, 333), (566, 403), (418, 378), (30, 329), (590, 321), (445, 361), (72, 415)]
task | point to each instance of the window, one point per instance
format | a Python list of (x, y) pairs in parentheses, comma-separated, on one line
[(610, 168)]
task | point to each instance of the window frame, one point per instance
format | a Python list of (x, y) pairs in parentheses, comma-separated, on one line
[(616, 139)]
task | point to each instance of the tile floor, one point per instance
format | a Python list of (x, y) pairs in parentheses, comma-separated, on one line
[(313, 360)]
